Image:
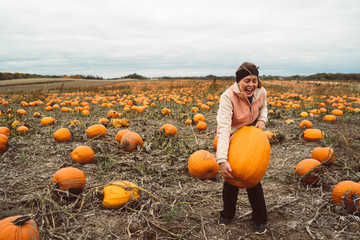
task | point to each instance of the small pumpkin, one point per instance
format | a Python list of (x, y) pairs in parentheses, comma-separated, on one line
[(131, 141), (46, 121), (3, 142), (22, 130), (313, 135), (113, 114), (202, 165), (215, 141), (82, 154), (305, 123), (5, 130), (169, 129), (120, 134), (103, 121), (201, 125), (188, 121), (21, 112), (248, 156), (337, 112), (62, 135), (97, 130), (19, 227), (199, 117), (69, 179), (322, 154), (305, 166), (118, 193), (269, 134), (344, 194), (165, 111), (329, 118), (36, 115), (304, 114)]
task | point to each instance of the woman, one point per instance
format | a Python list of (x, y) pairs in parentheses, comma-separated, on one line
[(243, 104)]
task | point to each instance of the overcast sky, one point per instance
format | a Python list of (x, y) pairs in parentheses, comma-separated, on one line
[(154, 38)]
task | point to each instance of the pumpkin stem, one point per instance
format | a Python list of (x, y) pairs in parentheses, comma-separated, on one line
[(323, 144), (54, 186), (22, 220), (99, 194)]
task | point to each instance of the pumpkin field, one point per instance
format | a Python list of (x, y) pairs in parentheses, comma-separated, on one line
[(117, 161)]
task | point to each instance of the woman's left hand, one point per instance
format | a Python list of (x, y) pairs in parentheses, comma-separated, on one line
[(260, 124)]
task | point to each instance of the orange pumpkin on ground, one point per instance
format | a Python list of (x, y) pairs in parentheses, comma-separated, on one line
[(202, 165), (188, 121), (22, 130), (201, 126), (305, 166), (62, 135), (120, 134), (3, 142), (322, 154), (215, 141), (199, 117), (46, 121), (6, 131), (69, 179), (305, 123), (248, 156), (169, 129), (337, 112), (19, 227), (97, 130), (269, 134), (344, 194), (313, 135), (131, 141), (118, 193), (329, 118), (82, 154)]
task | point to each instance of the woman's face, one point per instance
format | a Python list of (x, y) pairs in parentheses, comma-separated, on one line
[(248, 85)]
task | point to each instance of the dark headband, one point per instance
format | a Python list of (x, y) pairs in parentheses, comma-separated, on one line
[(244, 72)]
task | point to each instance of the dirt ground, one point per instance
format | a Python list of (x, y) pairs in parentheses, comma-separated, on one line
[(173, 204)]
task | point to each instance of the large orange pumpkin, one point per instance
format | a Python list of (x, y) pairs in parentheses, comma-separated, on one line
[(96, 130), (118, 193), (248, 156), (169, 129), (82, 154), (69, 179), (120, 134), (18, 227), (62, 135), (5, 130), (322, 154), (344, 193), (131, 141), (202, 164), (313, 135), (46, 121), (305, 166), (3, 142)]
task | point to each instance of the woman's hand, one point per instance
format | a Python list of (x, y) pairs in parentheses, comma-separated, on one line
[(260, 124), (226, 170)]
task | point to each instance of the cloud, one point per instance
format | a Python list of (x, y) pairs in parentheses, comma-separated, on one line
[(156, 38)]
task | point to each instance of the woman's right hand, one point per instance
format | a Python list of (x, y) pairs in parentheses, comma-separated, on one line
[(226, 170)]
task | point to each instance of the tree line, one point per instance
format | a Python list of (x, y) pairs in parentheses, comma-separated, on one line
[(317, 76)]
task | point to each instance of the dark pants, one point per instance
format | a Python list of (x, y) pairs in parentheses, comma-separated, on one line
[(256, 199)]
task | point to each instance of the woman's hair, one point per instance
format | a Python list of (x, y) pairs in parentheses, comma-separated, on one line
[(247, 69)]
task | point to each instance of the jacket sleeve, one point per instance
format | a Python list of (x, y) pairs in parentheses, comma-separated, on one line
[(224, 119), (263, 112)]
